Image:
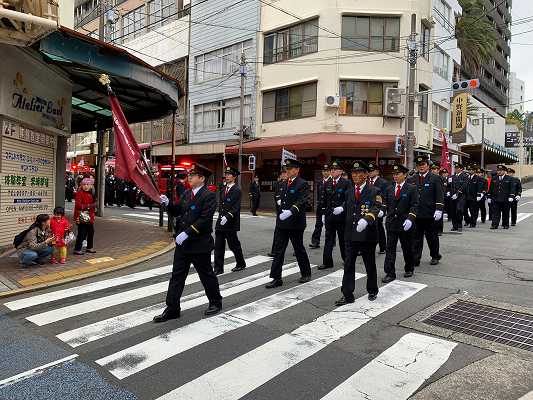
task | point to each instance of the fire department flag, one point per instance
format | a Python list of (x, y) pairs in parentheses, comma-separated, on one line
[(129, 162), (445, 157)]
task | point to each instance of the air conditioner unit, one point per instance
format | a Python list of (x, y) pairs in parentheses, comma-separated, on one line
[(394, 103), (333, 101)]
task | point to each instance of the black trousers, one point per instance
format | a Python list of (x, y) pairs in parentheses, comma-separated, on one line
[(221, 237), (273, 250), (500, 212), (254, 204), (458, 208), (281, 241), (382, 237), (425, 227), (406, 242), (514, 212), (85, 232), (333, 229), (368, 252), (317, 232), (180, 270), (473, 212), (482, 209)]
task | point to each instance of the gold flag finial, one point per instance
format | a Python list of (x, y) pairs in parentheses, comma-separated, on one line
[(104, 80)]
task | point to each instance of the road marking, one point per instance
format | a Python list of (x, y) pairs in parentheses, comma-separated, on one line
[(265, 362), (101, 303), (528, 396), (92, 287), (144, 216), (120, 323), (400, 370), (522, 216), (523, 204), (152, 351), (35, 371)]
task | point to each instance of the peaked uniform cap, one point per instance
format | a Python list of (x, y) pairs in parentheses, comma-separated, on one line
[(359, 166), (290, 163), (232, 170), (400, 168), (201, 170)]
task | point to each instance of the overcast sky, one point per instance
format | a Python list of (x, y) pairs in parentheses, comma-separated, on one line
[(522, 47)]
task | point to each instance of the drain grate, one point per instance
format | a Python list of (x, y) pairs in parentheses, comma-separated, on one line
[(486, 322)]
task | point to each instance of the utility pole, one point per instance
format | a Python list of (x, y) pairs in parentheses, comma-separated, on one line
[(242, 68), (483, 140), (100, 133), (412, 59)]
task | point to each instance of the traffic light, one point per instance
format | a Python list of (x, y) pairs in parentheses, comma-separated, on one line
[(251, 163), (465, 85)]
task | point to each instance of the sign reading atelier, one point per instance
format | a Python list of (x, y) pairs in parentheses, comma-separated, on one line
[(27, 186)]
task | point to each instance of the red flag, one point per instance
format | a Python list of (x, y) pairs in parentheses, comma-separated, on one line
[(129, 162), (445, 157)]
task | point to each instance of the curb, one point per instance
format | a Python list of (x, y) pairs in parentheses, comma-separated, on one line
[(46, 285)]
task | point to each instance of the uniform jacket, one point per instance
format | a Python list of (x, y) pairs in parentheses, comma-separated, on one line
[(321, 195), (335, 196), (195, 215), (398, 210), (229, 206), (458, 185), (474, 187), (368, 208), (254, 190), (277, 187), (430, 194), (501, 190), (517, 186), (382, 184), (294, 198)]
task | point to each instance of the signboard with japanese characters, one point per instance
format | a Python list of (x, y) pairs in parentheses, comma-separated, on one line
[(512, 139), (459, 117), (27, 170)]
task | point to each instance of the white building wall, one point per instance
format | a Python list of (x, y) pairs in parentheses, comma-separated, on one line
[(516, 93)]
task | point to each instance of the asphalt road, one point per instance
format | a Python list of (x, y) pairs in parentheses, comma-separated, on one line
[(94, 339)]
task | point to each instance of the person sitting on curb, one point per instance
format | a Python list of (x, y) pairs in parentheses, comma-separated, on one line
[(37, 244)]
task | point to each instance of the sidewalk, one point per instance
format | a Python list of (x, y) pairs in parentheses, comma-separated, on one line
[(118, 243)]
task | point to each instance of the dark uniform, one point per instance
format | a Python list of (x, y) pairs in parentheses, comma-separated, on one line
[(278, 188), (502, 194), (70, 184), (335, 198), (430, 200), (255, 197), (320, 204), (110, 182), (474, 192), (481, 204), (382, 184), (196, 220), (294, 195), (518, 194), (229, 206), (363, 205), (401, 205), (458, 190)]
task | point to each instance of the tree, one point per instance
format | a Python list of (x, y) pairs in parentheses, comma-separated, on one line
[(515, 118), (476, 36)]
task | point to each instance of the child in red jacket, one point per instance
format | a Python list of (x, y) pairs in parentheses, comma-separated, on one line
[(60, 227)]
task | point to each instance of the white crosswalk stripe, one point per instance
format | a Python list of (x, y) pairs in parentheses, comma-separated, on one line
[(400, 370), (522, 217)]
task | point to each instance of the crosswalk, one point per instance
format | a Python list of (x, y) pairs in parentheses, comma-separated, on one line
[(108, 323)]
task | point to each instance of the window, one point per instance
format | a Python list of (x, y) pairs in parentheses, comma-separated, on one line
[(370, 33), (223, 114), (296, 41), (364, 97), (441, 63), (290, 103), (218, 63), (444, 15), (160, 11), (426, 37), (423, 104), (134, 23), (439, 116)]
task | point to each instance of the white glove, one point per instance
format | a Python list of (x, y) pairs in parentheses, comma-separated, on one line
[(437, 215), (223, 221), (338, 210), (517, 198), (449, 180), (478, 198), (164, 200), (381, 214), (511, 199), (489, 201), (278, 202), (361, 225), (454, 197), (408, 224), (182, 237), (323, 219), (285, 214), (448, 194)]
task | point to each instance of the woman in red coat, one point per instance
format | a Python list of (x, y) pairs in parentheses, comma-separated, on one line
[(84, 209)]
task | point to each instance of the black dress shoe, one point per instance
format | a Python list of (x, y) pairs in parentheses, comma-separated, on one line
[(408, 274), (304, 279), (325, 266), (513, 224), (372, 296), (238, 268), (167, 315), (439, 257), (343, 301), (493, 227), (314, 246), (382, 252), (218, 272), (417, 263), (472, 226), (270, 254), (274, 284), (388, 278), (434, 261), (213, 309), (505, 227)]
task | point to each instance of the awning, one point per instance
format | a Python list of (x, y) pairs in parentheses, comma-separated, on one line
[(144, 92), (493, 155), (320, 141)]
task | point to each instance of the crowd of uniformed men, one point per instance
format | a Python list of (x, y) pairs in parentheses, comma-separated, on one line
[(359, 213)]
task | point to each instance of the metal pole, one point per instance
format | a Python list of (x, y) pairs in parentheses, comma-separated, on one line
[(100, 172), (101, 20), (241, 122), (172, 183), (483, 140), (412, 59)]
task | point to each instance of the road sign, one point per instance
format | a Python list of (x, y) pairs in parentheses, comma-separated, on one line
[(512, 139)]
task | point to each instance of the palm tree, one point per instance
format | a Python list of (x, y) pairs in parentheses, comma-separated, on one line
[(476, 36)]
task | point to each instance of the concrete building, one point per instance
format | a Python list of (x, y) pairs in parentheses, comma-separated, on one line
[(517, 88)]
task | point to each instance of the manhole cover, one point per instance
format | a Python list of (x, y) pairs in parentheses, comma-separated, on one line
[(490, 323)]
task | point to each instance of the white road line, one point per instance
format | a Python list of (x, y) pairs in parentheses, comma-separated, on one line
[(144, 216), (522, 216), (92, 287), (265, 362), (150, 352), (120, 323), (35, 371), (528, 396), (101, 303), (523, 204), (400, 370)]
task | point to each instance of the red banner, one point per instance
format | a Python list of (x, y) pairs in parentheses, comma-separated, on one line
[(445, 157), (129, 162)]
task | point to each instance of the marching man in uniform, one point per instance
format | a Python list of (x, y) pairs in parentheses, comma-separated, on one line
[(474, 194), (320, 204), (290, 224), (501, 195), (229, 223), (375, 180), (363, 203), (518, 193), (194, 243), (459, 181)]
